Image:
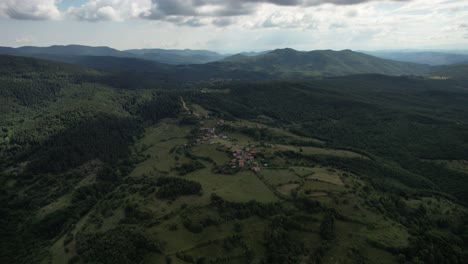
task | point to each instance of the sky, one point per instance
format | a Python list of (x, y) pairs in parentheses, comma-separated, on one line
[(237, 25)]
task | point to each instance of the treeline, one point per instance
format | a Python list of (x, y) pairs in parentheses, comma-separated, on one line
[(162, 105), (191, 166), (121, 245), (233, 210), (30, 81), (280, 246), (171, 187), (105, 137), (19, 212), (30, 92)]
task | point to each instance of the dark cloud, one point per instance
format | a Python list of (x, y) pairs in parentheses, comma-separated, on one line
[(192, 22), (15, 14), (228, 8), (222, 22)]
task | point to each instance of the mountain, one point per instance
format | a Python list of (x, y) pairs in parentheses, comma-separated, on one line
[(253, 53), (70, 50), (431, 58), (292, 64), (289, 62), (158, 55), (177, 56)]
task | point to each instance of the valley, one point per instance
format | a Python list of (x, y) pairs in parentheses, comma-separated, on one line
[(364, 168)]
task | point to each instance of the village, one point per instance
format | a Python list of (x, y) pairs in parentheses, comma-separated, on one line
[(209, 133), (241, 157), (244, 157)]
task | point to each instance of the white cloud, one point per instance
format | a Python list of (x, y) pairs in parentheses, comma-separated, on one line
[(289, 20), (109, 10), (24, 40), (30, 9)]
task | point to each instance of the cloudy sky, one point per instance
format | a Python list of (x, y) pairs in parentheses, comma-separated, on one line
[(237, 25)]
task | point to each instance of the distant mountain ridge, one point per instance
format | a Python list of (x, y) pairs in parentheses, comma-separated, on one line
[(76, 50), (159, 55), (324, 62), (431, 58), (172, 56), (175, 64)]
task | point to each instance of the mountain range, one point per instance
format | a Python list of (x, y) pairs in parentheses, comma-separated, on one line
[(159, 55), (193, 65)]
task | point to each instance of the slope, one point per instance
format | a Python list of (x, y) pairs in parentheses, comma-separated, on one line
[(289, 62), (431, 58)]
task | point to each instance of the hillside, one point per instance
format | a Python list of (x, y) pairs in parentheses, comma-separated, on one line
[(177, 56), (289, 62), (431, 58), (158, 55), (351, 169), (69, 50), (451, 71)]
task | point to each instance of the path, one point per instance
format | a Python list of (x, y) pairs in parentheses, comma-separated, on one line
[(184, 105)]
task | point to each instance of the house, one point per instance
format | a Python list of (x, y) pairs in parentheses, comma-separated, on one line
[(255, 169)]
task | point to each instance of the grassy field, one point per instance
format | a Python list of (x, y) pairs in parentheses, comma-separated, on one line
[(280, 176), (241, 187), (319, 151), (157, 144), (328, 175)]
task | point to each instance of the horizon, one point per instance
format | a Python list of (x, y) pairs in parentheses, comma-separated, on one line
[(415, 50), (227, 26)]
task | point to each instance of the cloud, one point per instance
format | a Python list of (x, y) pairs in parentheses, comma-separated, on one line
[(226, 8), (223, 22), (163, 10), (189, 22), (289, 20), (25, 40), (30, 9), (166, 10), (109, 10), (338, 25)]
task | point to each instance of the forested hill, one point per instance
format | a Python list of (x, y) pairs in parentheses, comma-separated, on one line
[(431, 58), (75, 50), (451, 71), (324, 62), (186, 56), (157, 55)]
